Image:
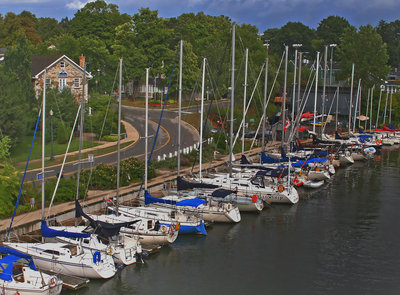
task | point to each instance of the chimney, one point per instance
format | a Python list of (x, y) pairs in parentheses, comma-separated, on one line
[(82, 61)]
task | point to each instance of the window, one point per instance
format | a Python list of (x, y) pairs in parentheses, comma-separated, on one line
[(62, 83), (62, 64), (77, 83), (48, 82)]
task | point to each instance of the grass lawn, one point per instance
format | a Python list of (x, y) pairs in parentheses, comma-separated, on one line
[(21, 151)]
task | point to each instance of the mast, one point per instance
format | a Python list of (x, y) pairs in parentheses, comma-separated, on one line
[(146, 132), (43, 140), (298, 86), (370, 109), (201, 117), (366, 113), (284, 96), (232, 100), (379, 106), (351, 94), (356, 105), (294, 86), (244, 97), (390, 109), (324, 85), (316, 91), (119, 133), (265, 104), (81, 136), (179, 107), (387, 96), (337, 106)]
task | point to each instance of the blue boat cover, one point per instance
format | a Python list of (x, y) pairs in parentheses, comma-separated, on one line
[(222, 193), (313, 160), (7, 262), (102, 228), (272, 173), (186, 185), (269, 160), (195, 202), (51, 233), (318, 154), (244, 160)]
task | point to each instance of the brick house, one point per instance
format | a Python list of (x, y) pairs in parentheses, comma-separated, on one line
[(61, 72)]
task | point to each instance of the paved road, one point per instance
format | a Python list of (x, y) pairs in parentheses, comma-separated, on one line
[(166, 141)]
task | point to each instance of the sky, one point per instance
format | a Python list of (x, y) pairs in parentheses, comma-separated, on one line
[(264, 14)]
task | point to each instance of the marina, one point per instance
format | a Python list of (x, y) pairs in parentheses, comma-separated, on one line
[(339, 239)]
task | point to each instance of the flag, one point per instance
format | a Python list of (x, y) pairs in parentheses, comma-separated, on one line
[(287, 124)]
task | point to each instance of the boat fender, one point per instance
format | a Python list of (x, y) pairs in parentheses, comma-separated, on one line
[(178, 226), (96, 257), (228, 207), (110, 251), (254, 198), (281, 188), (52, 282), (163, 228), (379, 141)]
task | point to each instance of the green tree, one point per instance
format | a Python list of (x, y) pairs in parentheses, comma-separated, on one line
[(390, 33), (331, 29), (291, 33), (98, 19), (17, 96), (367, 51), (9, 179), (48, 28)]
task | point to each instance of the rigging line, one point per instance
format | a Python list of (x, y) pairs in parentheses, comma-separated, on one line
[(269, 97), (248, 104), (108, 106), (64, 160), (298, 118), (212, 97), (161, 115), (23, 177)]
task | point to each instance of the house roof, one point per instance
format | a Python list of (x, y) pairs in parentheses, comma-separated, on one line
[(41, 62)]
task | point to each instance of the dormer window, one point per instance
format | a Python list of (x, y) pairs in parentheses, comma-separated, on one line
[(62, 64)]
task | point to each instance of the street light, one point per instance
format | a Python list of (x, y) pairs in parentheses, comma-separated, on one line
[(51, 130), (333, 45)]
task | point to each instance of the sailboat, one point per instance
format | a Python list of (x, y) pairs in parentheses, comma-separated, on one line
[(62, 257), (19, 275)]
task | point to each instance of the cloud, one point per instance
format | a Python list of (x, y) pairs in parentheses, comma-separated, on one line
[(23, 1), (77, 4)]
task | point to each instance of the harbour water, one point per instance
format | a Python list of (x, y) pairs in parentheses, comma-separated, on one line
[(340, 239)]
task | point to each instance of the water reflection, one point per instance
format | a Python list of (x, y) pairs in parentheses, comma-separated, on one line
[(340, 239)]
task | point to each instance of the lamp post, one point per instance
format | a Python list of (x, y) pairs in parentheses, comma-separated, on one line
[(333, 45), (51, 131)]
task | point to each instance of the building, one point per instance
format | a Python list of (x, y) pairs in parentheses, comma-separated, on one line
[(60, 72)]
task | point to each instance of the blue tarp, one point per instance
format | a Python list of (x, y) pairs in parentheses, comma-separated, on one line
[(313, 160), (51, 233), (272, 173), (6, 263), (269, 160), (195, 202)]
